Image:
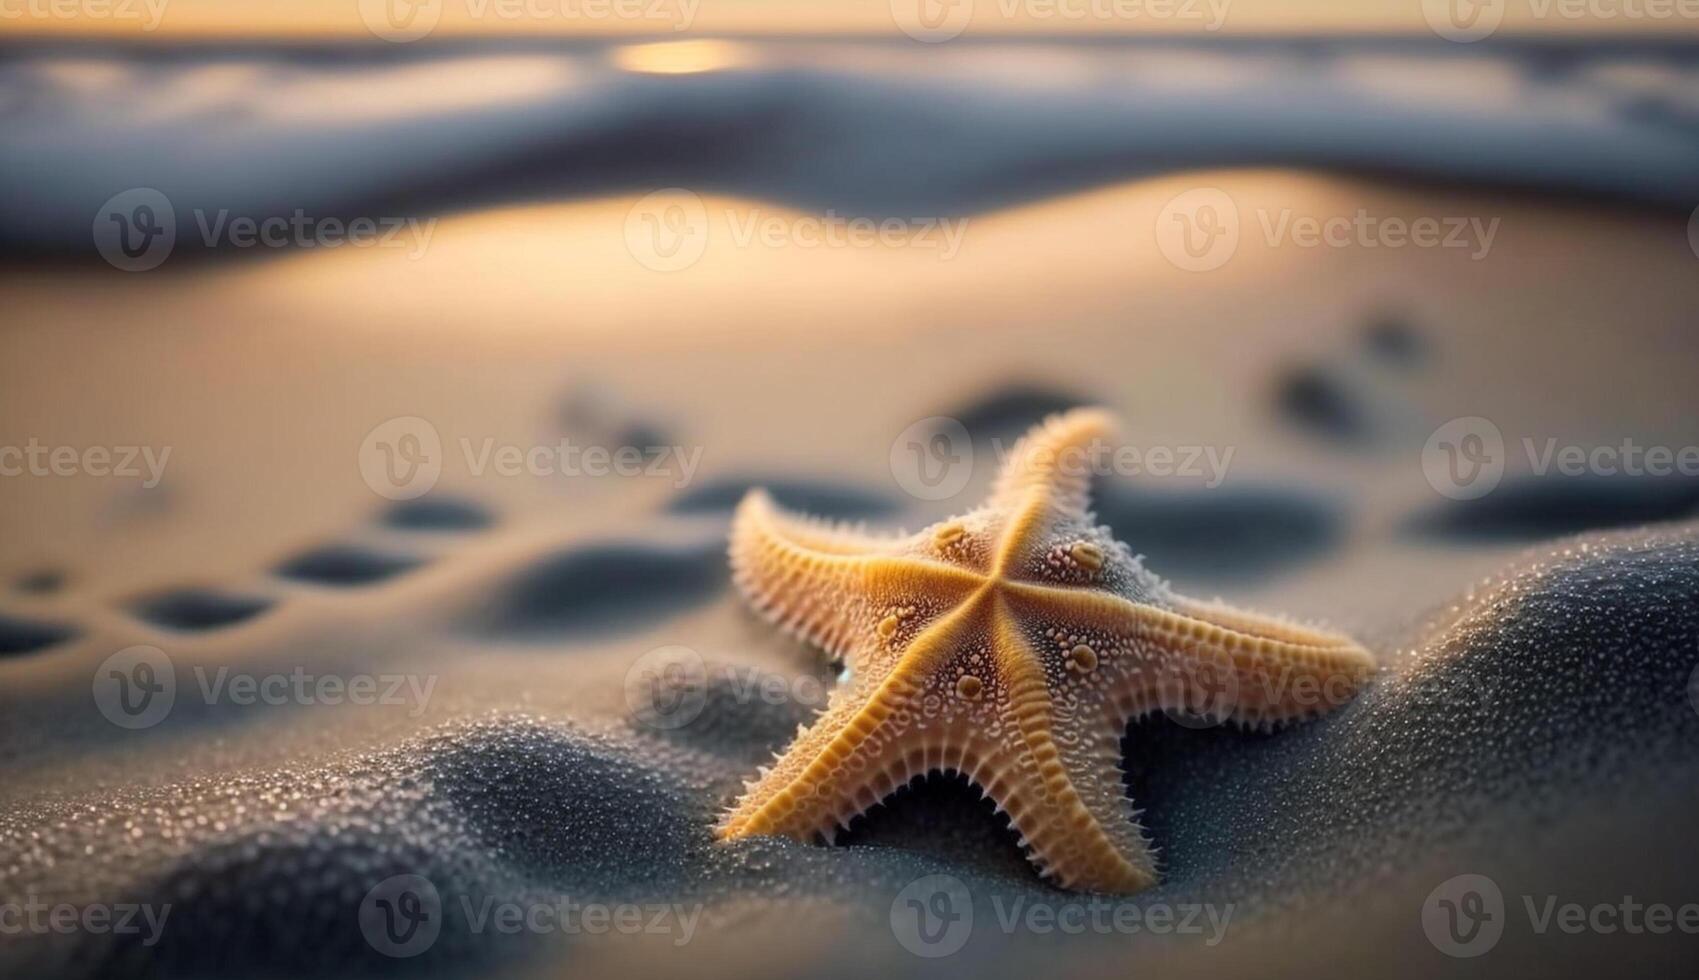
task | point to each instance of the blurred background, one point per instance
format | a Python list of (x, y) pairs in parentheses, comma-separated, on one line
[(324, 322), (342, 209)]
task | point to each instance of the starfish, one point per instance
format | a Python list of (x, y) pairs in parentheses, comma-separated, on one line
[(1011, 645)]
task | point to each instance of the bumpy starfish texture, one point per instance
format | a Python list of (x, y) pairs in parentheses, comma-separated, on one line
[(1011, 645)]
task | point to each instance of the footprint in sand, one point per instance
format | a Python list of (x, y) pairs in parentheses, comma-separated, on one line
[(45, 581), (1353, 399), (196, 609), (1010, 410), (1560, 682), (1013, 408), (809, 496), (601, 588), (593, 414), (1239, 533), (21, 636), (346, 566), (434, 513), (1329, 403), (1533, 508), (1395, 341)]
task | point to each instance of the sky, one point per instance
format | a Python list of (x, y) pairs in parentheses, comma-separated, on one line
[(928, 21)]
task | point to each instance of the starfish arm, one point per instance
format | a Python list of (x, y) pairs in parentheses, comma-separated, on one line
[(1053, 461), (887, 727), (1207, 658), (1011, 644), (1280, 670), (1060, 778), (842, 591)]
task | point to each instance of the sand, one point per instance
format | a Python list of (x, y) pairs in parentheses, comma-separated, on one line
[(1532, 722)]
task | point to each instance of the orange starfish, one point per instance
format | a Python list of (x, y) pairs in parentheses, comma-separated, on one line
[(1011, 645)]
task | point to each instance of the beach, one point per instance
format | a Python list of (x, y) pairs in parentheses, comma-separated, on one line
[(402, 521)]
